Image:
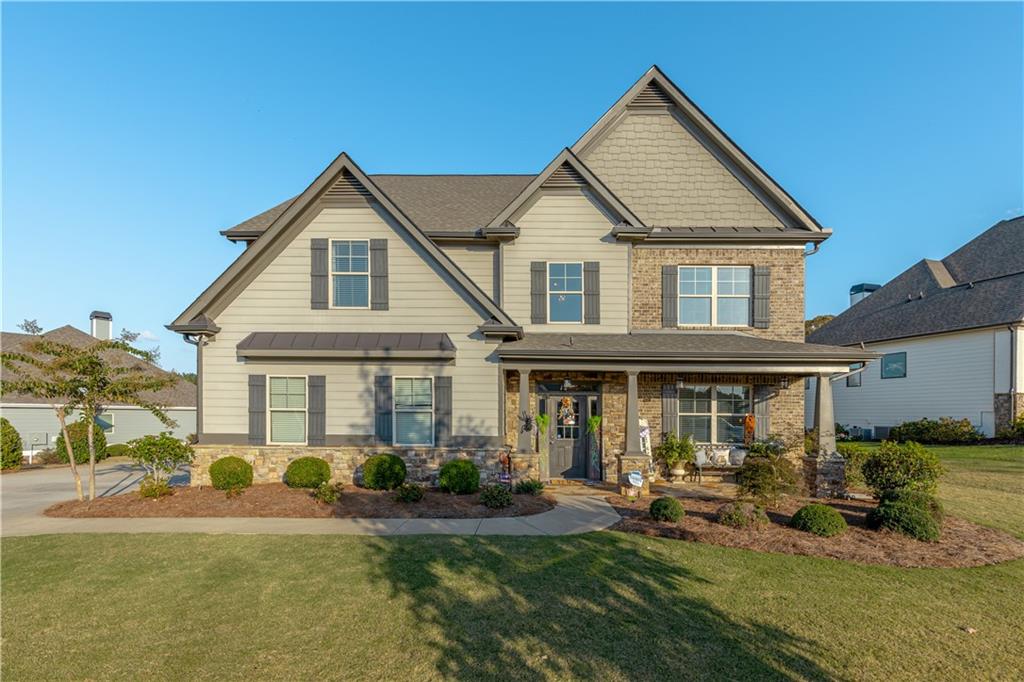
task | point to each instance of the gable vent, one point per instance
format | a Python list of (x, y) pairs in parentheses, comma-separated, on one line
[(565, 177), (347, 188), (652, 96)]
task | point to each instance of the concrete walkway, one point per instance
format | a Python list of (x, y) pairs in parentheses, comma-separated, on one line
[(24, 496)]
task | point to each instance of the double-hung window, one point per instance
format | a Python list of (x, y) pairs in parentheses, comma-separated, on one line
[(713, 413), (565, 292), (350, 273), (716, 296), (414, 411), (287, 407)]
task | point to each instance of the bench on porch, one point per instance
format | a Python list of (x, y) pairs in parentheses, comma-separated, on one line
[(719, 460)]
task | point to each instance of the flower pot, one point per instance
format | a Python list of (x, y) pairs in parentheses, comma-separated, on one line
[(678, 473)]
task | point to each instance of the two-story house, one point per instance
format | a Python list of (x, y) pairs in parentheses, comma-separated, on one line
[(650, 273)]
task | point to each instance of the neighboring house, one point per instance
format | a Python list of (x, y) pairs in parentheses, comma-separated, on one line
[(951, 335), (37, 424), (652, 271)]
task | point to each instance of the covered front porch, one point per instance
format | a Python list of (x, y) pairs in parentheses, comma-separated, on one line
[(593, 407)]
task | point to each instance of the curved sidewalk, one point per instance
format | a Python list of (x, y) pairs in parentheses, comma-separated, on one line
[(22, 515)]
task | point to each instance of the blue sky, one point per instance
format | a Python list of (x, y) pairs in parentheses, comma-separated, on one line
[(132, 133)]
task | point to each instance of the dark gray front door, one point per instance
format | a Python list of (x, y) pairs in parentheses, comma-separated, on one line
[(568, 438)]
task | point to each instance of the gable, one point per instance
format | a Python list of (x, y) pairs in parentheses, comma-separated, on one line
[(669, 178)]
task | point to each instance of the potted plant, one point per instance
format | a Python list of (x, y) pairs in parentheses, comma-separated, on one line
[(675, 453)]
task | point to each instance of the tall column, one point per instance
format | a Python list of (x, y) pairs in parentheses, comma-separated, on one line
[(632, 415), (524, 442), (824, 417)]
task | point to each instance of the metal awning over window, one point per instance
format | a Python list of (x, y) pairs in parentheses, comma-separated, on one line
[(347, 345)]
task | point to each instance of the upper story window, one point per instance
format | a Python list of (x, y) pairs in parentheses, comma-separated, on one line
[(853, 380), (894, 365), (565, 292), (713, 413), (287, 407), (716, 296), (350, 273), (414, 411)]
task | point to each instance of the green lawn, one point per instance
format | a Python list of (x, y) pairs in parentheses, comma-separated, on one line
[(603, 606)]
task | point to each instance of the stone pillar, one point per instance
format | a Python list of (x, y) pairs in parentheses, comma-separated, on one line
[(633, 448), (825, 470), (524, 441)]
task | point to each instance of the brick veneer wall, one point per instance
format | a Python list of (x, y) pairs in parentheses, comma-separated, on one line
[(1008, 406), (786, 302)]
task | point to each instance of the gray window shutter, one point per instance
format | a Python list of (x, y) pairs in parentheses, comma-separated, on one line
[(762, 402), (383, 405), (257, 409), (762, 289), (378, 274), (316, 410), (318, 274), (442, 411), (669, 409), (592, 293), (669, 296), (538, 292)]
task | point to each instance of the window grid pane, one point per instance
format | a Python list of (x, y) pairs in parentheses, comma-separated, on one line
[(287, 427), (695, 281), (695, 310), (717, 419), (715, 296), (351, 256), (351, 291), (730, 429), (697, 426), (734, 311), (413, 427)]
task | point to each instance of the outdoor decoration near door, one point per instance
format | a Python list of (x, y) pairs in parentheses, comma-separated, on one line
[(594, 441), (749, 424), (565, 412)]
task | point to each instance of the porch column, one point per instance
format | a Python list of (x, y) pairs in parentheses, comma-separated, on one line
[(824, 417), (632, 415), (524, 442)]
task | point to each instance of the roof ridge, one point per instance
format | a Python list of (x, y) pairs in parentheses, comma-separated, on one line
[(452, 175)]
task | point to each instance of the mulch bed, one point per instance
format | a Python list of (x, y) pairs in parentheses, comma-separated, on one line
[(278, 500), (962, 544)]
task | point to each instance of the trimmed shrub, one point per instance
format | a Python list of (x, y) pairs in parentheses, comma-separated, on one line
[(80, 443), (819, 519), (328, 493), (1015, 431), (152, 488), (529, 486), (383, 472), (855, 456), (945, 430), (307, 472), (10, 445), (766, 479), (915, 498), (118, 450), (409, 492), (667, 509), (160, 455), (459, 477), (741, 515), (48, 456), (495, 496), (908, 519), (231, 473), (772, 446), (901, 465)]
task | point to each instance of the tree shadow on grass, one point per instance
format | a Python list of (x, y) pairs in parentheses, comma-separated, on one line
[(595, 606)]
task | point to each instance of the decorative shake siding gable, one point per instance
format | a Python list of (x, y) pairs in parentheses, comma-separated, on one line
[(421, 299), (658, 169)]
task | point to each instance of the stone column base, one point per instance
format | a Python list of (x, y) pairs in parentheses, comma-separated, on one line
[(628, 463), (825, 476), (525, 465)]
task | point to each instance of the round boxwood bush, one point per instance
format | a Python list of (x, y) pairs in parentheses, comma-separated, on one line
[(905, 518), (819, 519), (901, 465), (915, 498), (118, 450), (80, 443), (495, 496), (741, 515), (307, 472), (529, 486), (10, 445), (459, 477), (383, 472), (231, 473), (409, 492), (666, 509)]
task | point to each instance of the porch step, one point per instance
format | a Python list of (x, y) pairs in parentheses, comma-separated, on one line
[(560, 482)]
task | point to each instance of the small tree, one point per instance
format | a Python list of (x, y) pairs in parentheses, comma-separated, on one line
[(10, 445), (159, 455), (31, 327)]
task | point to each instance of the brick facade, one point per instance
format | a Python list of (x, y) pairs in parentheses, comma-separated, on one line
[(786, 302), (1008, 407)]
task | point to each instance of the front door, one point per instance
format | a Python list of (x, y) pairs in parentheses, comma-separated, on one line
[(568, 438)]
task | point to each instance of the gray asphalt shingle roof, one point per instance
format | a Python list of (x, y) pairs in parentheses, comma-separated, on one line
[(979, 285)]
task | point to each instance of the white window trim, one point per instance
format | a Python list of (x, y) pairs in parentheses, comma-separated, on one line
[(304, 410), (714, 296), (331, 274), (548, 292), (395, 410), (714, 409)]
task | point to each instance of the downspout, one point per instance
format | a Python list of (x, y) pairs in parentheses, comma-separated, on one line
[(813, 250)]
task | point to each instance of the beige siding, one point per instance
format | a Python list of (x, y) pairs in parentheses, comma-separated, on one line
[(668, 178), (567, 227), (420, 301), (478, 262)]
